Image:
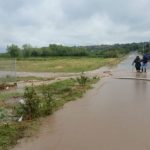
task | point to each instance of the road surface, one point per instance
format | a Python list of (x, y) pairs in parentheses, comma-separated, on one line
[(114, 115)]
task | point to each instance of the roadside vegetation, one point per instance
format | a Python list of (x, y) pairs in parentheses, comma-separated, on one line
[(8, 79), (61, 64), (36, 102), (4, 95)]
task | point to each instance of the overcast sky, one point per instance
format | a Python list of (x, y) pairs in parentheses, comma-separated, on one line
[(73, 22)]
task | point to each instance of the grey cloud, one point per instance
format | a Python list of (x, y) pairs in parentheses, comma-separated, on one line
[(73, 22)]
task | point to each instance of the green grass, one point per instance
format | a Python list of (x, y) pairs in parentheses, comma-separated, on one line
[(8, 135), (4, 95), (11, 133), (6, 64), (17, 79), (59, 64)]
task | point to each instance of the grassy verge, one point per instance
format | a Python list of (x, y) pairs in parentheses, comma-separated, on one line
[(8, 95), (61, 92), (10, 133), (17, 79), (65, 91), (61, 64)]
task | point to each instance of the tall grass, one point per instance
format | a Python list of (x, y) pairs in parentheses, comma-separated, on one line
[(62, 64)]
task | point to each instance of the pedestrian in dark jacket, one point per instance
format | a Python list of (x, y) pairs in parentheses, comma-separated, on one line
[(144, 63), (137, 62)]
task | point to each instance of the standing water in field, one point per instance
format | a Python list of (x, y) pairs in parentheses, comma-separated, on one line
[(115, 115)]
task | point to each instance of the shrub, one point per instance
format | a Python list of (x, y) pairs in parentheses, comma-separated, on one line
[(30, 108), (35, 105), (47, 103), (82, 80)]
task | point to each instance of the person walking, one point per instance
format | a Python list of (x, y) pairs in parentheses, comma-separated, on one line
[(144, 63), (137, 62)]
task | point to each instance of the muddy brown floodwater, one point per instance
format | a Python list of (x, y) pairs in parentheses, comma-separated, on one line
[(115, 115)]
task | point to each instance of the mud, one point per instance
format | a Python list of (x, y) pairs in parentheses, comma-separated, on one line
[(115, 115), (7, 86)]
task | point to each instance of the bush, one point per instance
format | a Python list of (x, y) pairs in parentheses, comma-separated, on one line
[(47, 103), (82, 80), (35, 105), (30, 108)]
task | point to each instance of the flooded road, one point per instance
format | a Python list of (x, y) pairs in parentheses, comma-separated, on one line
[(114, 115)]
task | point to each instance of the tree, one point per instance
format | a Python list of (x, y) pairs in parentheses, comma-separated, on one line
[(27, 50), (13, 50)]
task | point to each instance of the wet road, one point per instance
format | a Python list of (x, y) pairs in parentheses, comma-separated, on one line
[(115, 115)]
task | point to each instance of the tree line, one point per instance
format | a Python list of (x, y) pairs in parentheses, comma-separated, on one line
[(105, 51)]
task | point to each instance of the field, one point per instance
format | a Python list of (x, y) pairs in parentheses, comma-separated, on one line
[(61, 64)]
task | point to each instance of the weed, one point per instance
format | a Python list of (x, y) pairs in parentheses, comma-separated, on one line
[(9, 134), (30, 108), (47, 102), (82, 80)]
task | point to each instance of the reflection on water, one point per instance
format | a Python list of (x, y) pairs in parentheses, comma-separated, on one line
[(140, 75), (142, 88)]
